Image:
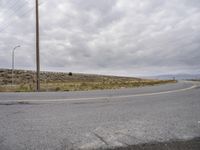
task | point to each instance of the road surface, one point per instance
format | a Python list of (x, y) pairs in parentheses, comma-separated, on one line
[(99, 119)]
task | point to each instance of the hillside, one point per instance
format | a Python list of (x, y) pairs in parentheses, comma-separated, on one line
[(24, 80), (27, 76)]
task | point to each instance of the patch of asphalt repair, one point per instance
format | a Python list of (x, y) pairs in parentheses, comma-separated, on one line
[(193, 144)]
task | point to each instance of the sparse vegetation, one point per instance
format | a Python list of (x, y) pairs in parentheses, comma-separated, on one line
[(52, 81)]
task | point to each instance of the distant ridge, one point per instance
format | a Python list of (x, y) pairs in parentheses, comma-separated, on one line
[(176, 76)]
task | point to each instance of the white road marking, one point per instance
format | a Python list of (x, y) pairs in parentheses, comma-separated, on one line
[(99, 98)]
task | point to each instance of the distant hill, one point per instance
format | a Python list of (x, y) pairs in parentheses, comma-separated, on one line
[(177, 77)]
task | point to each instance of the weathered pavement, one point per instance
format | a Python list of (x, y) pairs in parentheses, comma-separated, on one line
[(99, 119)]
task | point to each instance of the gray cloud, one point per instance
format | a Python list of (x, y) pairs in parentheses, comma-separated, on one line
[(124, 37)]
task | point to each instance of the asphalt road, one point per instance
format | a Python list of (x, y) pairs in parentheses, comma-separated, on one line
[(99, 119)]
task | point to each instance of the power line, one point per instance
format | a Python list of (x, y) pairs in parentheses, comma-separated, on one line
[(14, 12), (13, 4), (6, 25), (9, 2), (17, 9), (14, 7)]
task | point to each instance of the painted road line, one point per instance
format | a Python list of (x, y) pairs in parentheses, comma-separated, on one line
[(99, 98)]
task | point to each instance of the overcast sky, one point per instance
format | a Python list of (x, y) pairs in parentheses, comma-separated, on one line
[(120, 37)]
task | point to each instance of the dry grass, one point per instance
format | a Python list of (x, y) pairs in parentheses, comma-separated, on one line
[(50, 81)]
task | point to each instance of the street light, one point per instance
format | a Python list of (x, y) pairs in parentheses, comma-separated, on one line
[(13, 60)]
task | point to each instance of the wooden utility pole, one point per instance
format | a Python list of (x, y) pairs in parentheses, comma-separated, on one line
[(37, 47)]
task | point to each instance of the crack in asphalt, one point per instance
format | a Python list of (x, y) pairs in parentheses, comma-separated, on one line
[(101, 138)]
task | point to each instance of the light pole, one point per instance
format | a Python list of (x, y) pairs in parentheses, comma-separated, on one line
[(13, 60)]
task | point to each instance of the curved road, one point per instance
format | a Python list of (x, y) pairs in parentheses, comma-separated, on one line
[(99, 119)]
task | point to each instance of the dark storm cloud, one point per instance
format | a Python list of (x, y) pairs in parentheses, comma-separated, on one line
[(124, 37)]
